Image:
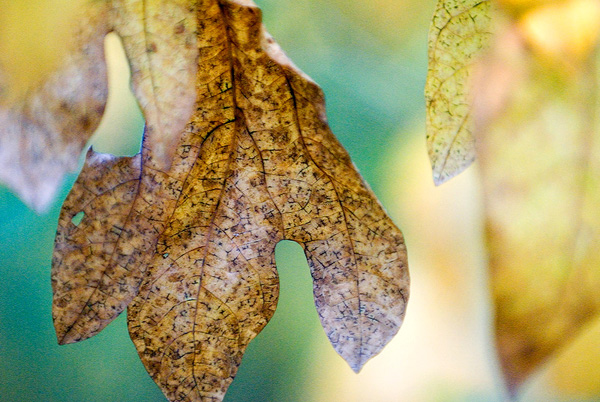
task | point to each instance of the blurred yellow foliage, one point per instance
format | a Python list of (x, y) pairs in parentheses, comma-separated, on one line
[(32, 39), (122, 116), (535, 102), (517, 7), (576, 371), (566, 31), (538, 155)]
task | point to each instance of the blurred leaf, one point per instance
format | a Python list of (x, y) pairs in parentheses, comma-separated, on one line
[(539, 151), (459, 32), (565, 32), (44, 129), (576, 370), (192, 247)]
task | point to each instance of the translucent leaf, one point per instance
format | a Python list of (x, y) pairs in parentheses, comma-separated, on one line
[(459, 32)]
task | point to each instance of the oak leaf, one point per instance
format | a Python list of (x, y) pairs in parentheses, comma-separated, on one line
[(43, 131), (459, 33), (539, 152), (190, 249)]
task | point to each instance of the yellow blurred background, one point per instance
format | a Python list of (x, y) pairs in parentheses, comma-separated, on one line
[(370, 58)]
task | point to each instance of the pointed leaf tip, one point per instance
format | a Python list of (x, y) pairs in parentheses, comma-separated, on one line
[(441, 174), (90, 288)]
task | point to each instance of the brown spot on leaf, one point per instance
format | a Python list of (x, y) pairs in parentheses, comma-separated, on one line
[(152, 48), (179, 28), (85, 122)]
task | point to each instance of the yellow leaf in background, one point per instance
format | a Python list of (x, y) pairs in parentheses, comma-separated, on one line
[(540, 169), (564, 31), (459, 32), (517, 7), (575, 372)]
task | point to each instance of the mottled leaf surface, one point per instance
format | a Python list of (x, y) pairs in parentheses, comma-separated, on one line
[(539, 150), (43, 131), (459, 32), (190, 249)]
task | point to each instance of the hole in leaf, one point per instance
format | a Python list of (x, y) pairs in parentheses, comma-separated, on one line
[(76, 219), (122, 125)]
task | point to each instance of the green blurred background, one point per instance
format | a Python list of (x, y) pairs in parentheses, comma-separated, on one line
[(370, 58)]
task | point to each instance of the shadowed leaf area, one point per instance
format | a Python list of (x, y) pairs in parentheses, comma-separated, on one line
[(189, 245)]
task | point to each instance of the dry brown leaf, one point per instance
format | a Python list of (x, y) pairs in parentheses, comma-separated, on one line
[(193, 245), (539, 155), (459, 33), (43, 132)]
